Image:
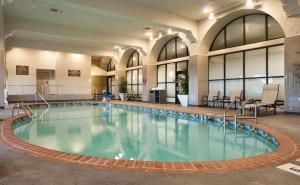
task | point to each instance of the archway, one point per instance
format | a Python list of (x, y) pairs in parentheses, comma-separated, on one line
[(246, 43)]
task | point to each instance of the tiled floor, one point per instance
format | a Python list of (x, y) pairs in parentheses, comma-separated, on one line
[(16, 167)]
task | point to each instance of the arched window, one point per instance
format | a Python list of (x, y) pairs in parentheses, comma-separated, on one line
[(134, 60), (247, 70), (110, 65), (168, 72), (174, 48), (134, 74), (247, 30)]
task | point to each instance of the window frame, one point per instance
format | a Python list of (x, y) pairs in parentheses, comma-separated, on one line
[(165, 49), (244, 32), (244, 78), (109, 66)]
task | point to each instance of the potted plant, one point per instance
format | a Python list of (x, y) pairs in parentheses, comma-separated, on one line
[(122, 89), (183, 84)]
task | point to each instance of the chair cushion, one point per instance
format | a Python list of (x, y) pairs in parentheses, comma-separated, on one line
[(270, 93)]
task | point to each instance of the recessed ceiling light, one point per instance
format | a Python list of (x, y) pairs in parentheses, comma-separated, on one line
[(117, 47), (169, 31), (211, 16), (249, 2), (149, 33), (151, 37), (159, 35), (206, 10)]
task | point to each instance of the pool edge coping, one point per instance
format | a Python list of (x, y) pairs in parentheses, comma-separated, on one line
[(287, 150)]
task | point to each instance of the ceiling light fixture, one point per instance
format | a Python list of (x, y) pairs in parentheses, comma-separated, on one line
[(169, 31), (117, 47), (206, 10), (151, 37), (149, 34), (159, 35), (211, 16), (249, 2)]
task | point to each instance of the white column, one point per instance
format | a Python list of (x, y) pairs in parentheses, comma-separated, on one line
[(2, 59), (198, 79), (149, 80), (120, 74)]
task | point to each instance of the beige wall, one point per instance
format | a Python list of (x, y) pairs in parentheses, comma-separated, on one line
[(58, 61), (99, 83)]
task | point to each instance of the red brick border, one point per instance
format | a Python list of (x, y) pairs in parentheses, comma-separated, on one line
[(287, 150)]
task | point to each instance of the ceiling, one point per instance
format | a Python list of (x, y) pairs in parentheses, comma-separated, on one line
[(192, 9), (104, 24)]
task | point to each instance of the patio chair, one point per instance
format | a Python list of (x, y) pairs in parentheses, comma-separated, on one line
[(235, 97), (213, 97), (269, 99), (129, 95)]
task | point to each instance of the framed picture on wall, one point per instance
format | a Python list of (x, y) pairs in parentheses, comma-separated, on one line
[(22, 70), (74, 73)]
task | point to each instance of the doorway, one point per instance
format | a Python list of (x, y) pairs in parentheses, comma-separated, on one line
[(45, 81)]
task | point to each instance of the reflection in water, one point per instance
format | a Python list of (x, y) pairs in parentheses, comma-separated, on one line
[(104, 131)]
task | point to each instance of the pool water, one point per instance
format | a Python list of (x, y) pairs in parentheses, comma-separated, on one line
[(110, 132)]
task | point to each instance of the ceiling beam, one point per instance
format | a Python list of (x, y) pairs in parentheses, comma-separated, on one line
[(54, 45), (112, 39)]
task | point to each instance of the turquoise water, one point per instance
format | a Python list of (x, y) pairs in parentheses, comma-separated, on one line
[(107, 132)]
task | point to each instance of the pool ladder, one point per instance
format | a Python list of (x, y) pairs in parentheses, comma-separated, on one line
[(39, 94), (236, 114), (26, 109)]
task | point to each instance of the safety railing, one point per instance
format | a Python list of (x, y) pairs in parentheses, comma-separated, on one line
[(236, 114), (50, 90), (25, 108)]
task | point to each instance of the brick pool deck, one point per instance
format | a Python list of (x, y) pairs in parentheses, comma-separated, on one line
[(287, 150)]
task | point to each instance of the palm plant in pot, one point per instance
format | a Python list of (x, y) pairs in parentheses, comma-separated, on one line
[(183, 85), (122, 89)]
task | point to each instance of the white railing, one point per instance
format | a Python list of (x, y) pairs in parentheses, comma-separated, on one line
[(50, 90)]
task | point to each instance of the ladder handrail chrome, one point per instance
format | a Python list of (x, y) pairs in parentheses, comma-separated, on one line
[(39, 94), (235, 115)]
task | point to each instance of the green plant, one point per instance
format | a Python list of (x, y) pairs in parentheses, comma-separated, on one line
[(123, 86), (183, 83)]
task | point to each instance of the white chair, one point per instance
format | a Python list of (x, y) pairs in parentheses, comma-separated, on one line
[(269, 99), (213, 96), (235, 97)]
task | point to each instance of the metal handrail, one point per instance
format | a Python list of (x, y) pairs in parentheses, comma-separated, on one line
[(235, 115), (17, 106), (96, 92), (39, 94), (228, 107), (28, 111)]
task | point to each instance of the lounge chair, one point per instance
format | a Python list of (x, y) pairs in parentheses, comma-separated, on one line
[(235, 97), (213, 97), (269, 99)]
